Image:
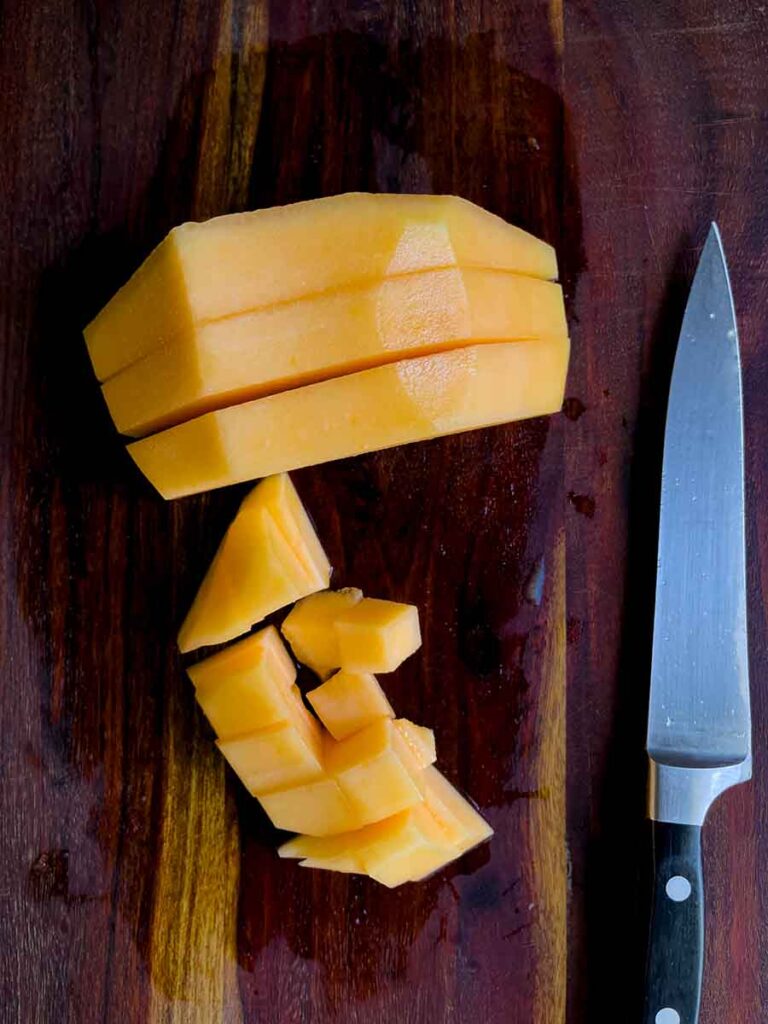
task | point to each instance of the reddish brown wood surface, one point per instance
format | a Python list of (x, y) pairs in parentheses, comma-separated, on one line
[(137, 883)]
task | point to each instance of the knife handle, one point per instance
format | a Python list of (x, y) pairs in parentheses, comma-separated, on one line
[(676, 942)]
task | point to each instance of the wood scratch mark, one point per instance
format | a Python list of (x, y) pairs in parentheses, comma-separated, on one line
[(654, 247)]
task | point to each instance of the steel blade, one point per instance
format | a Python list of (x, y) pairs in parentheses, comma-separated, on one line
[(699, 712)]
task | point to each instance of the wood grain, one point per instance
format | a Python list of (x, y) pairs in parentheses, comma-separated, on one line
[(138, 882)]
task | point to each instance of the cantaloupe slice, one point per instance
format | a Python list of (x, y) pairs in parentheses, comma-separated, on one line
[(245, 261), (256, 570), (308, 628), (247, 686), (375, 771), (376, 635), (348, 702), (411, 400), (420, 740), (464, 826), (239, 358)]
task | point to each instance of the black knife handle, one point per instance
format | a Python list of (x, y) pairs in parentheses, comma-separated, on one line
[(676, 941)]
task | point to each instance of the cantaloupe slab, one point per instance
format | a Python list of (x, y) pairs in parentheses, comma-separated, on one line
[(284, 755), (376, 635), (308, 628), (422, 849), (255, 571), (373, 772), (245, 261), (242, 690), (225, 362), (411, 400), (317, 808)]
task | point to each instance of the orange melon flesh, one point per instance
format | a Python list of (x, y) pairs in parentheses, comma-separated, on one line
[(374, 770), (281, 756), (237, 359), (405, 847), (407, 401), (255, 571), (348, 702), (377, 636), (308, 628), (246, 261), (317, 808), (241, 691), (420, 740), (279, 497)]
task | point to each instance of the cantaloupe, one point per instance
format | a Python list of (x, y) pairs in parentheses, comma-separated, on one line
[(407, 401), (270, 557), (318, 808), (246, 261), (377, 636), (308, 628), (239, 358), (348, 702)]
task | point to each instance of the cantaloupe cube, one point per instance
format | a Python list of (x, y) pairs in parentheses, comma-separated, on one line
[(422, 849), (376, 635), (317, 809), (244, 261), (308, 628), (223, 362), (284, 755), (411, 400), (348, 702), (278, 496), (255, 571), (344, 865), (243, 690), (420, 741), (460, 821), (369, 766)]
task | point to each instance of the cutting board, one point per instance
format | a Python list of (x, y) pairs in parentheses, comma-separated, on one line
[(138, 882)]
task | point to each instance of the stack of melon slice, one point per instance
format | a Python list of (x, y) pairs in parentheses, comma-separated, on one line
[(261, 342), (358, 785)]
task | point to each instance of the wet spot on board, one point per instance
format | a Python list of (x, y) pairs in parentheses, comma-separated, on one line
[(583, 503), (49, 874), (573, 408), (534, 587)]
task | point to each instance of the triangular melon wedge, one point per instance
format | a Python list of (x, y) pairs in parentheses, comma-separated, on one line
[(269, 558), (246, 261)]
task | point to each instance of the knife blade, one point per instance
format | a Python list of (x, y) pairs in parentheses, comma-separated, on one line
[(699, 726)]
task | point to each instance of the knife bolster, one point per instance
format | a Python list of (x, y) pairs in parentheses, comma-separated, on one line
[(683, 796)]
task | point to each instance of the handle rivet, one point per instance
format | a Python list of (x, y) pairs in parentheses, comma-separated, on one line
[(667, 1016), (678, 888)]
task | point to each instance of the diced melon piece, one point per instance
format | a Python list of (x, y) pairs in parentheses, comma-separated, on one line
[(243, 690), (370, 770), (255, 571), (278, 496), (317, 809), (376, 635), (284, 755), (261, 652), (245, 261), (381, 838), (239, 358), (308, 628), (422, 849), (348, 702), (458, 818), (411, 400), (420, 740)]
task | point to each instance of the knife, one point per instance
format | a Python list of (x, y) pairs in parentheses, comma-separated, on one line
[(699, 729)]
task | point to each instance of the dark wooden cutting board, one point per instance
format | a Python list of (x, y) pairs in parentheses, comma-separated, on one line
[(139, 881)]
